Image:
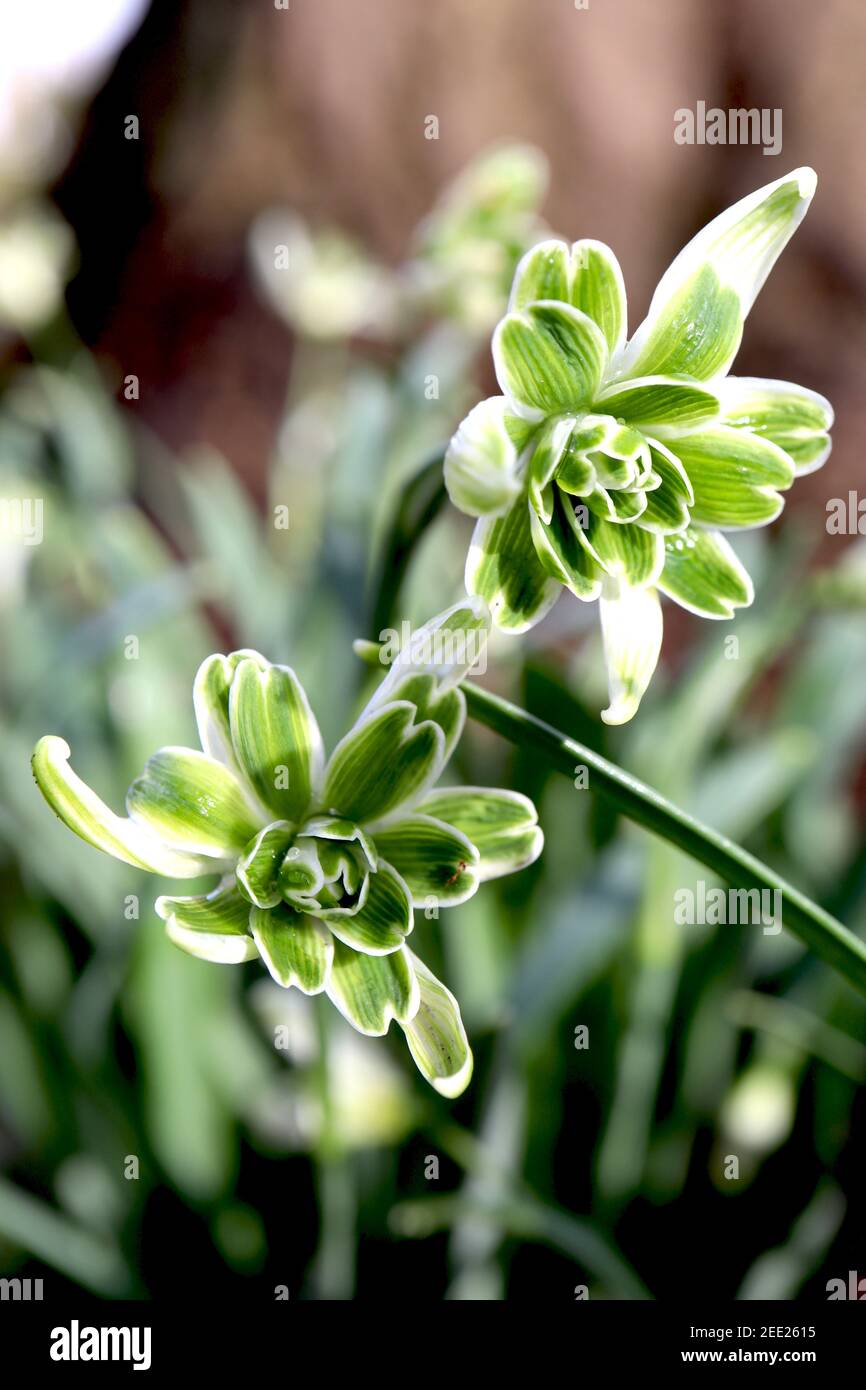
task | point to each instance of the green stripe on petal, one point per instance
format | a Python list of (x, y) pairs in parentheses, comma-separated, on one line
[(660, 404), (275, 737), (553, 444), (481, 461), (213, 927), (192, 802), (447, 708), (503, 568), (258, 872), (631, 629), (296, 949), (597, 288), (447, 647), (627, 552), (436, 1036), (502, 825), (210, 696), (549, 359), (384, 762), (735, 476), (371, 990), (696, 314), (795, 418), (92, 821), (563, 552), (336, 828), (434, 859), (543, 273), (703, 574), (382, 917)]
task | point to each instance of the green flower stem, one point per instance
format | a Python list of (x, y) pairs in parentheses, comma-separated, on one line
[(421, 500), (817, 929)]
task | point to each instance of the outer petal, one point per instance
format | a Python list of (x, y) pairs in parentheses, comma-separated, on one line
[(795, 418), (193, 803), (386, 761), (544, 272), (695, 319), (433, 859), (631, 627), (214, 927), (379, 922), (481, 461), (447, 647), (210, 697), (275, 738), (627, 551), (84, 813), (503, 568), (371, 990), (586, 275), (735, 476), (703, 574), (296, 949), (660, 404), (436, 1036), (549, 359), (502, 825)]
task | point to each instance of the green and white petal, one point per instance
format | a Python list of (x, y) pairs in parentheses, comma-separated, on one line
[(386, 761), (436, 1036), (210, 697), (193, 803), (667, 509), (433, 859), (795, 418), (258, 871), (660, 404), (544, 272), (275, 738), (627, 552), (549, 359), (447, 708), (381, 919), (703, 574), (213, 927), (502, 825), (481, 461), (502, 567), (631, 629), (91, 820), (696, 315), (371, 990), (562, 549), (735, 476), (597, 288), (553, 446), (296, 949), (336, 828), (447, 647)]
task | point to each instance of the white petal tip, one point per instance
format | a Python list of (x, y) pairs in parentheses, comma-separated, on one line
[(807, 181), (621, 711)]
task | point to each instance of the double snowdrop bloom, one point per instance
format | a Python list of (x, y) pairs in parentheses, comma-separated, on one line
[(613, 467), (320, 863)]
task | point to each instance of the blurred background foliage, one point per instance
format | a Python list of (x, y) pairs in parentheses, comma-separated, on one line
[(168, 1125)]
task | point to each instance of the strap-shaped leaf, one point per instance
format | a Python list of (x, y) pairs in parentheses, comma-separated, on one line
[(382, 917), (434, 859), (481, 461), (213, 927), (275, 738), (88, 817), (371, 990), (258, 871), (735, 476), (193, 803), (660, 404), (296, 949), (796, 419), (549, 359), (503, 568), (386, 761), (631, 629), (696, 315), (627, 551), (703, 574), (436, 1036), (502, 825)]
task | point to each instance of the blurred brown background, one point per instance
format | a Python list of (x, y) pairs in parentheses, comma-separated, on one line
[(322, 107)]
